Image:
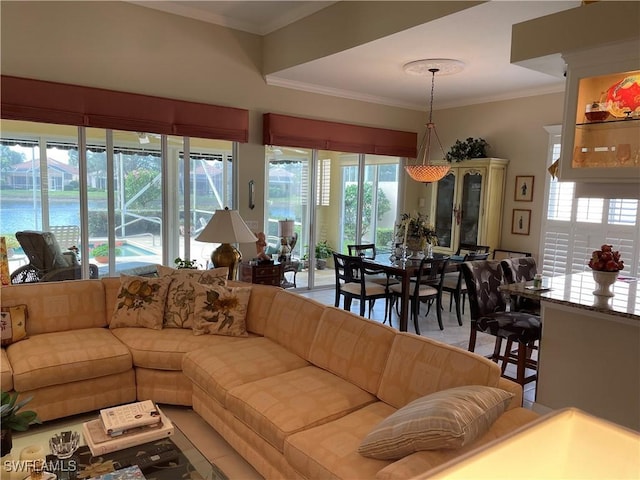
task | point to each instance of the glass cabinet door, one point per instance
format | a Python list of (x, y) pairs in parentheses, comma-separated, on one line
[(444, 210), (471, 200)]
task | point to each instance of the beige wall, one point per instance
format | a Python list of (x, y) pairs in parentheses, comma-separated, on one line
[(125, 47)]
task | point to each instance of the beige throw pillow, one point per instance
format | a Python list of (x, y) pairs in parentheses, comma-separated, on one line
[(140, 302), (180, 306), (221, 310), (450, 418), (14, 324)]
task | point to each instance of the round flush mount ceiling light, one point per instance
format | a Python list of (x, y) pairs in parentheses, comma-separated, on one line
[(443, 66)]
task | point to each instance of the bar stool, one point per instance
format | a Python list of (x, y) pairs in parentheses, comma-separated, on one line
[(489, 315)]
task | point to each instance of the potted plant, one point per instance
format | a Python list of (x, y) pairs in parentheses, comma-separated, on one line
[(189, 264), (14, 420), (101, 253), (323, 251), (470, 148)]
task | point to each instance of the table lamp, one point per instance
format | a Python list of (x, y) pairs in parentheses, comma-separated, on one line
[(226, 227), (285, 228)]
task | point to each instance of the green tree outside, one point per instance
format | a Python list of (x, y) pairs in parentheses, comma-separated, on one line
[(351, 213)]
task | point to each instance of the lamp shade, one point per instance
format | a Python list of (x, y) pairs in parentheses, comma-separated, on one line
[(286, 228), (226, 226), (427, 173)]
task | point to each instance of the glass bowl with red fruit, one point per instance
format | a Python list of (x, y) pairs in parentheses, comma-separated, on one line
[(606, 260)]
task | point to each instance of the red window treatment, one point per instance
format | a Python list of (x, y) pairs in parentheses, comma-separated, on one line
[(51, 102), (341, 137)]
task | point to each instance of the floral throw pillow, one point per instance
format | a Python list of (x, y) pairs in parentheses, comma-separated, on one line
[(221, 310), (140, 302), (178, 312), (14, 324)]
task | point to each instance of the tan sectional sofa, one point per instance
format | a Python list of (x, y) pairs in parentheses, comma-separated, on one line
[(295, 398)]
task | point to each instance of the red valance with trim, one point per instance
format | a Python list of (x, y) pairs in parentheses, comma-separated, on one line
[(290, 131), (51, 102)]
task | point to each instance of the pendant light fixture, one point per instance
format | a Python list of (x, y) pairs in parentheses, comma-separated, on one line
[(427, 172)]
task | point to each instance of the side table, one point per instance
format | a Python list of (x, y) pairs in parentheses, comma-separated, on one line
[(263, 274)]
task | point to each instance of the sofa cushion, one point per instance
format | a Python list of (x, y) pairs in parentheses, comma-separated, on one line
[(418, 366), (352, 347), (164, 349), (221, 310), (449, 418), (418, 463), (260, 302), (280, 405), (227, 365), (181, 296), (141, 302), (293, 321), (59, 306), (6, 373), (63, 357), (330, 450), (14, 324)]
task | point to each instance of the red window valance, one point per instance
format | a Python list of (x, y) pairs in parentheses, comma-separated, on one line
[(289, 131), (51, 102)]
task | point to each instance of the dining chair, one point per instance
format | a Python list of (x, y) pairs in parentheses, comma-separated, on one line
[(520, 270), (453, 283), (426, 288), (351, 282), (464, 248), (488, 315), (368, 251), (501, 254)]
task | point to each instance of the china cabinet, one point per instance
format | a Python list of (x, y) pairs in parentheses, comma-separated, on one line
[(467, 204), (601, 130)]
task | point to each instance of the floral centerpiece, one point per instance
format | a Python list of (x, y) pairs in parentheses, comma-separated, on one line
[(416, 232), (606, 260), (605, 265)]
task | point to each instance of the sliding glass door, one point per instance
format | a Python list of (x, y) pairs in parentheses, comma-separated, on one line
[(335, 199), (127, 200)]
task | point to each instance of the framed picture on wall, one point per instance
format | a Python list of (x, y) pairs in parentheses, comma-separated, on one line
[(524, 188), (521, 222)]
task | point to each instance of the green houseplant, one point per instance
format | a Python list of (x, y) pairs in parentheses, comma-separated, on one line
[(470, 148), (12, 419), (188, 264), (101, 252), (323, 251)]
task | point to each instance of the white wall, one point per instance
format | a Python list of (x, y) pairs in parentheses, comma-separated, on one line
[(125, 47)]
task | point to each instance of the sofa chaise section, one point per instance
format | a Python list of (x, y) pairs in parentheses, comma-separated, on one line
[(68, 354)]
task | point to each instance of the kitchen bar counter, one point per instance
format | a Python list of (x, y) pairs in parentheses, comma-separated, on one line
[(576, 290), (589, 354)]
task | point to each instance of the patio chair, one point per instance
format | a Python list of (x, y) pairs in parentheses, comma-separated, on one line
[(66, 235), (47, 262)]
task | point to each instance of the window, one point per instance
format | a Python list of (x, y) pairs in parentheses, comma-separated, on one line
[(574, 227), (126, 184)]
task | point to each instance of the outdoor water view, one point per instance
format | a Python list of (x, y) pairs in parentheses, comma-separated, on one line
[(44, 195)]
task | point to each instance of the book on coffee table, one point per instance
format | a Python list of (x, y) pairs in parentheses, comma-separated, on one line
[(119, 419), (101, 443), (129, 473)]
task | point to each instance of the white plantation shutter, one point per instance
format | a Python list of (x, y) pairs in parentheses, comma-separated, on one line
[(575, 227), (555, 252)]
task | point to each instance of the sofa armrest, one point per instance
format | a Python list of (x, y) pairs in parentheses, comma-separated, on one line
[(513, 387)]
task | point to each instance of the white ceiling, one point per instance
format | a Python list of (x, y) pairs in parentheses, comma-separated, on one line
[(479, 36)]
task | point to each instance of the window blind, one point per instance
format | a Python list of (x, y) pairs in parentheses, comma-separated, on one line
[(290, 131), (51, 102)]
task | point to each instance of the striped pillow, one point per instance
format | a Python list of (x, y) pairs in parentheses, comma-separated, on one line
[(447, 419)]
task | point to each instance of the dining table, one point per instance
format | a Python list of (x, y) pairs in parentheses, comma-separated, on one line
[(403, 269)]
